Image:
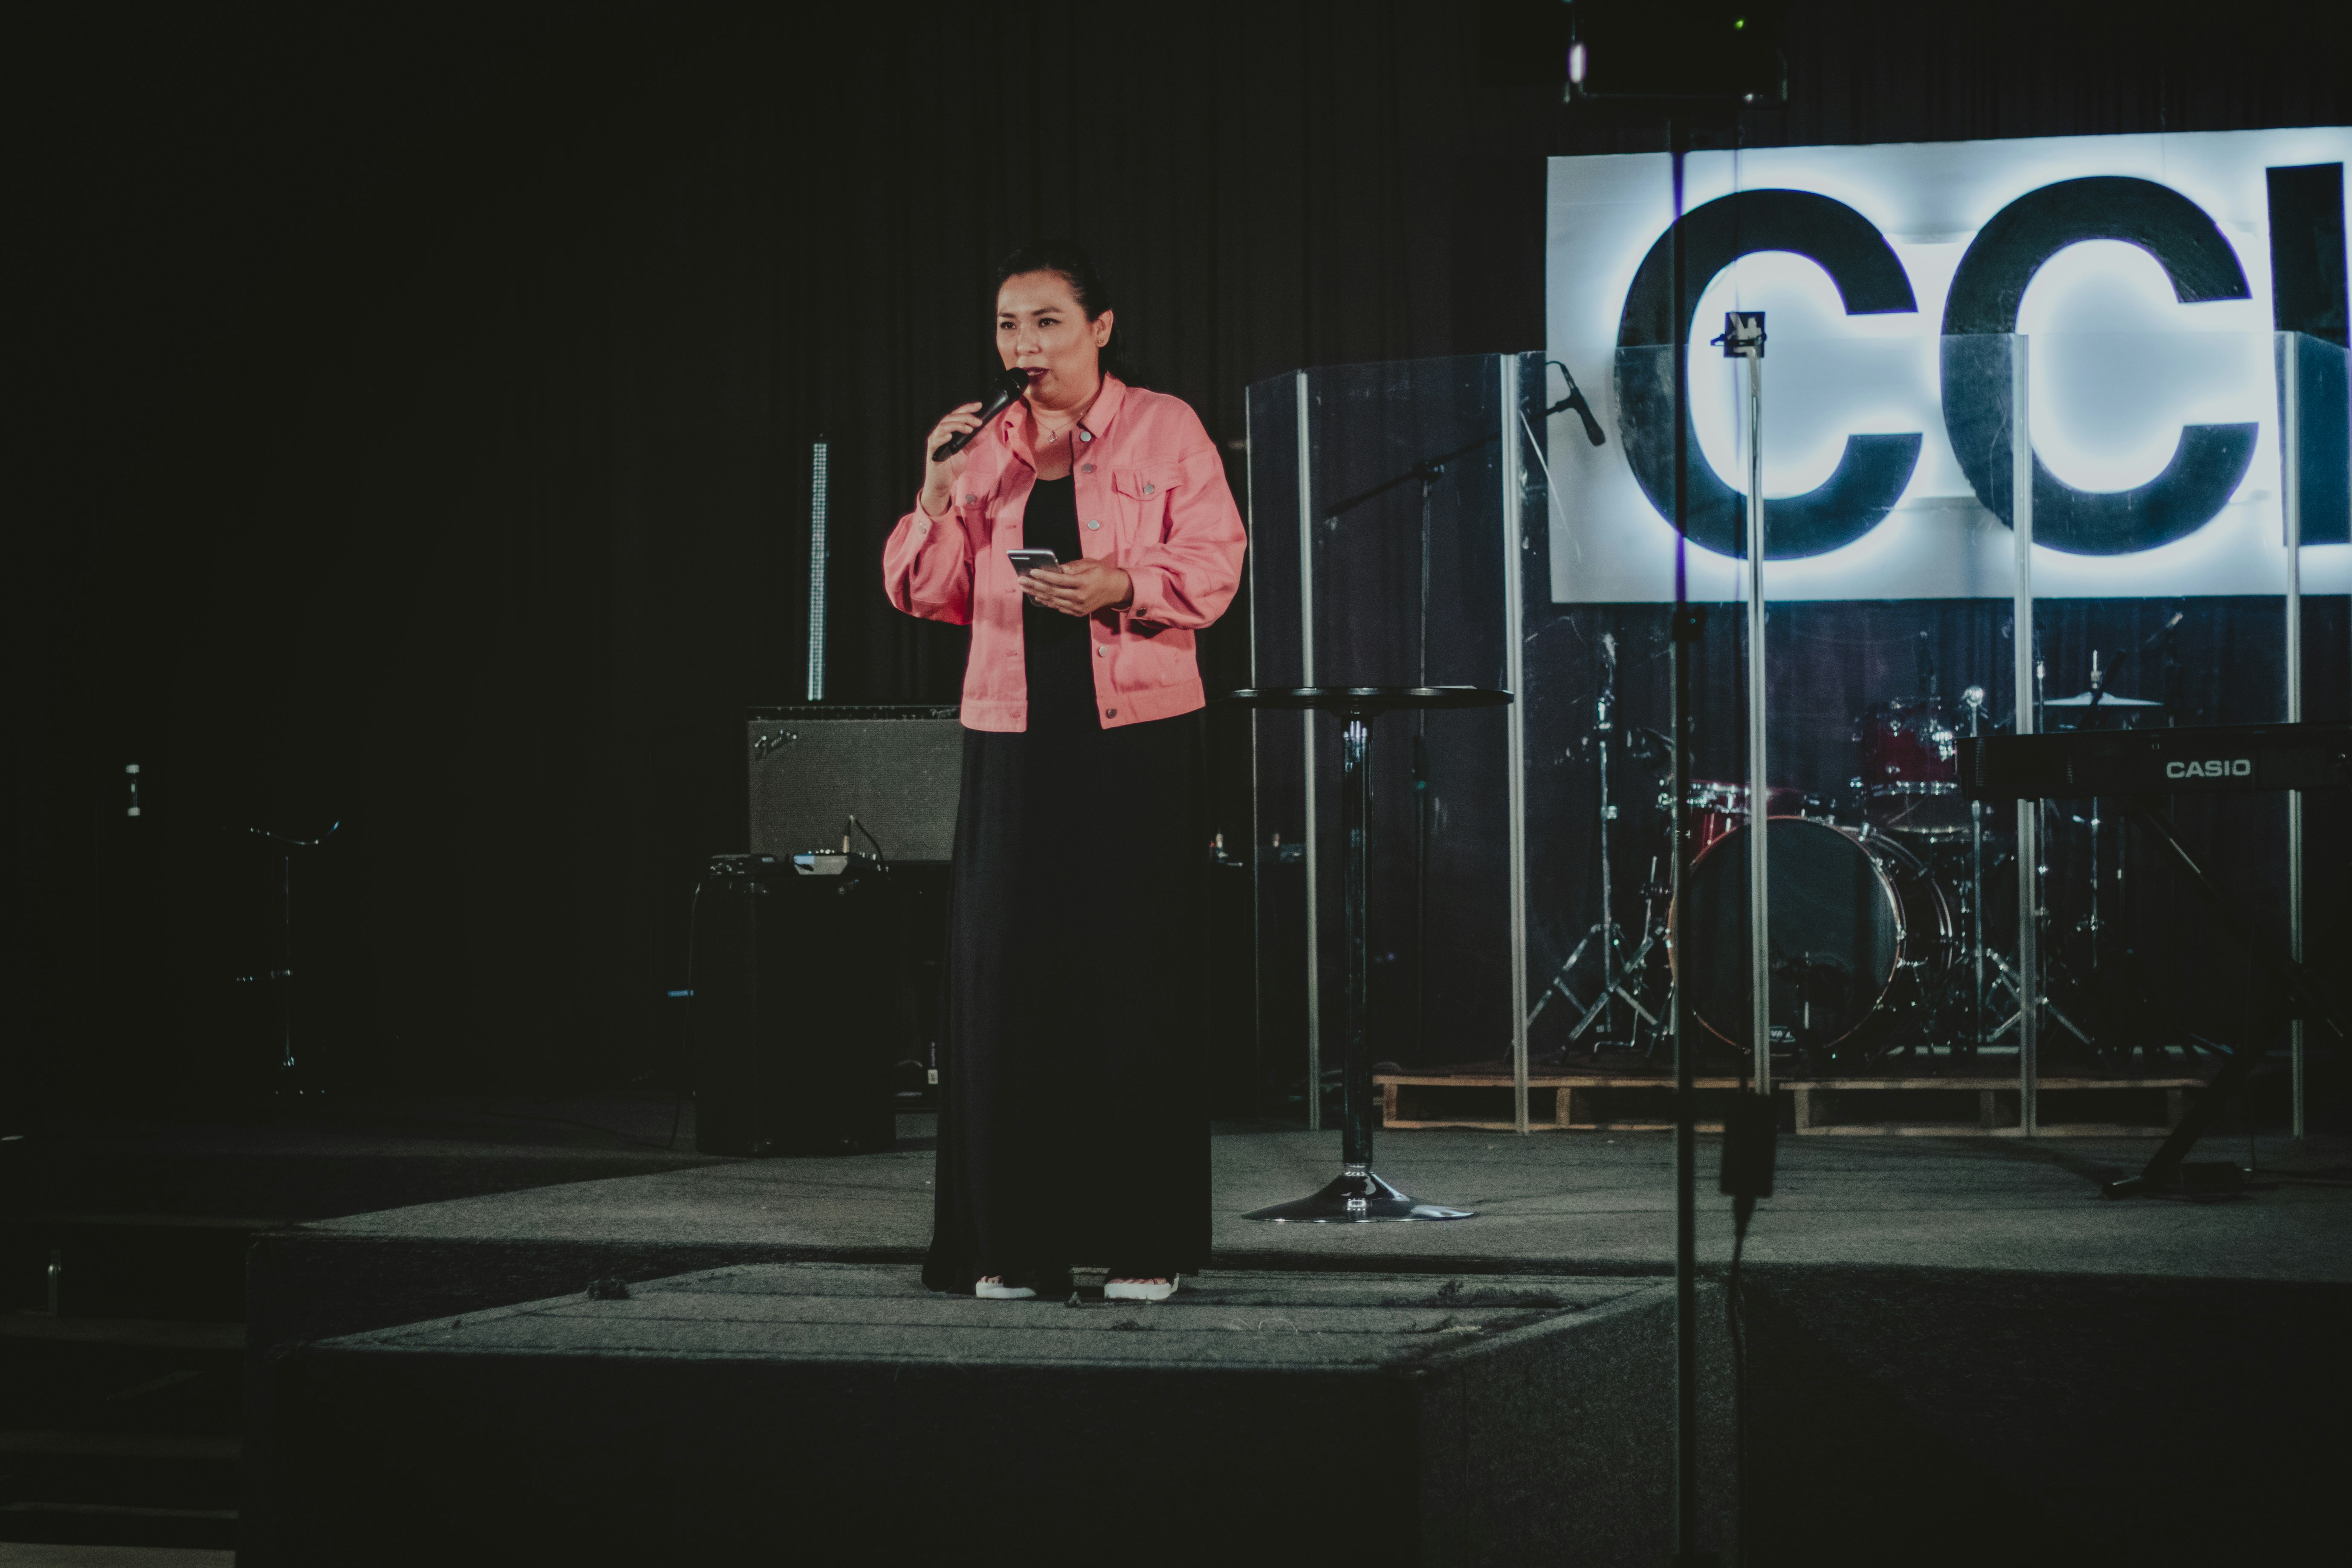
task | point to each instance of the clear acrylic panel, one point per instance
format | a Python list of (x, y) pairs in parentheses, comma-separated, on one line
[(1396, 578), (1287, 1002), (1891, 591)]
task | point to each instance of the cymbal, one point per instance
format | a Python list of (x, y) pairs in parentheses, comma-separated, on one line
[(2107, 700)]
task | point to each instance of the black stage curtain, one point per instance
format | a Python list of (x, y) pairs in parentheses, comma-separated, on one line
[(411, 410)]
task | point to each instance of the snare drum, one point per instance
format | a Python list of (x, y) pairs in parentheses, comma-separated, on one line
[(1717, 806)]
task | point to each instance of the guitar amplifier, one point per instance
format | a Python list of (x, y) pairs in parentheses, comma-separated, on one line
[(896, 769)]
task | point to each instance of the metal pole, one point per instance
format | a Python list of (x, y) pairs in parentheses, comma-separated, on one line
[(1515, 724), (1977, 1041), (1307, 759), (1759, 886), (819, 483), (1355, 1066), (2029, 849), (1685, 1112), (286, 958), (2291, 516), (1420, 803), (1259, 848)]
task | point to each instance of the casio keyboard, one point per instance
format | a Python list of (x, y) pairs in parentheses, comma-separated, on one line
[(2143, 765), (2216, 757)]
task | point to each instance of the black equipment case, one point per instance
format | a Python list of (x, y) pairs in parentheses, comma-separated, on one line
[(794, 1027)]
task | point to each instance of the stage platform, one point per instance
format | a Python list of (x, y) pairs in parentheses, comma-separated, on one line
[(729, 1414), (1957, 1350)]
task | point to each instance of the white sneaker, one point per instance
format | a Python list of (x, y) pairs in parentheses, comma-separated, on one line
[(995, 1288), (1138, 1290)]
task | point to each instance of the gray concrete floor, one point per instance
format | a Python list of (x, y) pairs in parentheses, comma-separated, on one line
[(864, 1312), (29, 1554), (1574, 1201)]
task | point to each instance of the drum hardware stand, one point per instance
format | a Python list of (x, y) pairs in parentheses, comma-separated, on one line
[(1974, 696), (1628, 987), (2006, 979), (2090, 923), (1605, 930), (291, 1081)]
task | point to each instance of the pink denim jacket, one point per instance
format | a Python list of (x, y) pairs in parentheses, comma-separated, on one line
[(1152, 500)]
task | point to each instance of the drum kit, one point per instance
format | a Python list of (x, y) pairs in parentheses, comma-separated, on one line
[(1892, 899)]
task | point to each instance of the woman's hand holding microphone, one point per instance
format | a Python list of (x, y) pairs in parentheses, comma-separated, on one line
[(940, 477)]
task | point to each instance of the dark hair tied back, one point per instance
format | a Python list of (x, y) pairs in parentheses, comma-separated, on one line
[(1068, 258)]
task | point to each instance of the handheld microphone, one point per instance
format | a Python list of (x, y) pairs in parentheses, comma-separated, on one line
[(1008, 386)]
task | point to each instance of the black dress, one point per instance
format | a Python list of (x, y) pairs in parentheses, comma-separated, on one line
[(1073, 1118)]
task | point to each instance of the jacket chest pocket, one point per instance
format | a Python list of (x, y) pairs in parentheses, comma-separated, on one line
[(1143, 503)]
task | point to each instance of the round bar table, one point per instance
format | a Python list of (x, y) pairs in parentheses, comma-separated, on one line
[(1358, 1196)]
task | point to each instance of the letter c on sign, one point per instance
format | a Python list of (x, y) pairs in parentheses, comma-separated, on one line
[(2210, 460), (1872, 470)]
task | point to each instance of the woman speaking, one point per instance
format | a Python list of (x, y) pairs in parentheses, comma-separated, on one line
[(1074, 1125)]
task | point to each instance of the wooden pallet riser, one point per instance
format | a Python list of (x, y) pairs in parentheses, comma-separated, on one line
[(1554, 1104), (2144, 1109), (1916, 1107)]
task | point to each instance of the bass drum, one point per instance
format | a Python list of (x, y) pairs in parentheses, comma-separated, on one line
[(1862, 936)]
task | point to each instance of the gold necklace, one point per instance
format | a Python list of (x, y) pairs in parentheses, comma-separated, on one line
[(1074, 418)]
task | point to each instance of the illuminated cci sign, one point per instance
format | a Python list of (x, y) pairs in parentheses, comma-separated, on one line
[(2149, 275)]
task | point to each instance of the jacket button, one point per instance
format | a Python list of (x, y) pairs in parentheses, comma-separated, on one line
[(1110, 712), (971, 500), (1086, 435), (1147, 489), (1094, 522), (1086, 467), (1102, 650)]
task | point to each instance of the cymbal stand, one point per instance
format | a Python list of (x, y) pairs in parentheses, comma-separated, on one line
[(1612, 937), (2090, 924), (2040, 871), (1974, 699), (1605, 930), (292, 1079)]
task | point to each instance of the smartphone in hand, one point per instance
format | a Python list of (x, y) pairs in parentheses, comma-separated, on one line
[(1027, 560)]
